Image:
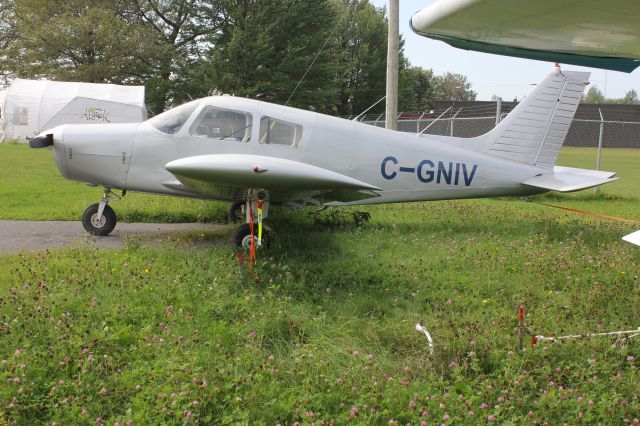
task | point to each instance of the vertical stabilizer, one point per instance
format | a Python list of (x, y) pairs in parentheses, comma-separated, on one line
[(536, 129)]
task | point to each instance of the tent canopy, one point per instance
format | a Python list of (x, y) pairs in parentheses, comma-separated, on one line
[(32, 106)]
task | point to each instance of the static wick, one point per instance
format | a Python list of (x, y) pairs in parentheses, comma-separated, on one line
[(424, 330)]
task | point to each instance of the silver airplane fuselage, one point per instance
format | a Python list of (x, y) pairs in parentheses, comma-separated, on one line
[(405, 167)]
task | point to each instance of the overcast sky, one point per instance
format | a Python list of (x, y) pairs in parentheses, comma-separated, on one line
[(492, 74)]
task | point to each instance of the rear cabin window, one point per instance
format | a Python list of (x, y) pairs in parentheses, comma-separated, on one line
[(222, 124), (278, 132)]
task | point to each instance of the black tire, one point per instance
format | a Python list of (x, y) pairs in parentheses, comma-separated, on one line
[(240, 236), (106, 224), (236, 212)]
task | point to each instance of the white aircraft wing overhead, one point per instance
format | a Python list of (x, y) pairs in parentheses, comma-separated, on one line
[(592, 33), (219, 175)]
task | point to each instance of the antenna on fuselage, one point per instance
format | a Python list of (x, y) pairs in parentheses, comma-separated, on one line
[(367, 110)]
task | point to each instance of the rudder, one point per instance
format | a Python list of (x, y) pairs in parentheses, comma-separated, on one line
[(535, 130)]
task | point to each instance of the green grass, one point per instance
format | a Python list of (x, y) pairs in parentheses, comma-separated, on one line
[(326, 331)]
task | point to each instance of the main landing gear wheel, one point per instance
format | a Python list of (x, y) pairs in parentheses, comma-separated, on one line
[(102, 226), (242, 236), (236, 212)]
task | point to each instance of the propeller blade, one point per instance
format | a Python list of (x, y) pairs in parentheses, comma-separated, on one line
[(41, 141)]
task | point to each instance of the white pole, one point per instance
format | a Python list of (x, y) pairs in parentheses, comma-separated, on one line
[(393, 43), (599, 146), (453, 118)]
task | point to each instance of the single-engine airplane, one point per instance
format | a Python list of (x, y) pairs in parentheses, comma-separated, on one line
[(253, 153)]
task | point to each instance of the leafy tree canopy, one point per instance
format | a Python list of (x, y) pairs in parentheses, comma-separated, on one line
[(331, 53), (453, 87), (595, 96)]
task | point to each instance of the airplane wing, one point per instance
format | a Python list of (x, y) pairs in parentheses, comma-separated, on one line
[(592, 33), (228, 176)]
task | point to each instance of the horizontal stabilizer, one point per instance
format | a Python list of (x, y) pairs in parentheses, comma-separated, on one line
[(584, 172), (569, 179), (633, 238)]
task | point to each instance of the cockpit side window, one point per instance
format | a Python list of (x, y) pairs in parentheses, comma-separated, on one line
[(172, 121), (222, 124), (279, 132)]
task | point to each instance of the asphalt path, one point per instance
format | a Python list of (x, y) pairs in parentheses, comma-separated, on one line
[(18, 235)]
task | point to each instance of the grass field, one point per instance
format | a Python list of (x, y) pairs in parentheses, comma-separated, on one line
[(322, 330)]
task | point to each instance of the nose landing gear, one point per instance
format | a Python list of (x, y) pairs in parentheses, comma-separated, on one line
[(253, 231), (99, 218)]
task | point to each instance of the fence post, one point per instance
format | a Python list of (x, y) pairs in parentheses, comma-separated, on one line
[(498, 109), (599, 155), (453, 118)]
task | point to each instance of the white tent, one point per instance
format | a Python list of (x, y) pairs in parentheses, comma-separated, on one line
[(31, 106)]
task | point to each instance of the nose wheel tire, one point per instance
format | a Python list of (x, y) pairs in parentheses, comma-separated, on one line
[(242, 236), (95, 226)]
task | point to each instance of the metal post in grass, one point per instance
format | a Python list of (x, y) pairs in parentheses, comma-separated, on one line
[(597, 190), (521, 327)]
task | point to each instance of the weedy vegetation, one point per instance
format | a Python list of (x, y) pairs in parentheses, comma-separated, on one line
[(321, 329)]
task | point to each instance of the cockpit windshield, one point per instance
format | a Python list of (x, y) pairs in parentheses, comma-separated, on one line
[(172, 121)]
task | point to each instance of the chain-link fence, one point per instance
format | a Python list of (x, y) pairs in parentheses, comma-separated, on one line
[(597, 139)]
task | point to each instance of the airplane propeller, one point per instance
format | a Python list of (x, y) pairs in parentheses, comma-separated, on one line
[(41, 141)]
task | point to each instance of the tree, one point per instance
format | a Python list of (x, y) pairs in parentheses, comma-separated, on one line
[(593, 96), (159, 43), (79, 40), (417, 84), (8, 34), (184, 30), (362, 54), (7, 23), (630, 98), (265, 48), (453, 87)]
